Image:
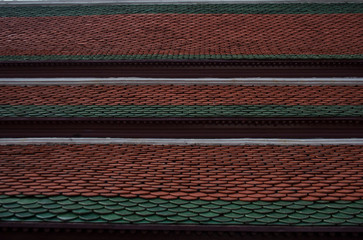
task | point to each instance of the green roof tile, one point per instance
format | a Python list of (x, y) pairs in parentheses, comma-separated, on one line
[(45, 215), (107, 203), (123, 212), (89, 217), (81, 211), (67, 216), (222, 219), (38, 210), (77, 198), (138, 200), (8, 200), (340, 216), (352, 211), (320, 216), (58, 210), (26, 201), (23, 215), (180, 111), (135, 208), (244, 219), (88, 203), (6, 214), (209, 214), (268, 220), (93, 206), (232, 206), (241, 211), (355, 221), (11, 205), (45, 201), (102, 211), (255, 215), (189, 206), (176, 218), (224, 210), (18, 210), (263, 210), (73, 206), (188, 214), (199, 219), (147, 205), (101, 198), (111, 217), (163, 211), (147, 213), (289, 221)]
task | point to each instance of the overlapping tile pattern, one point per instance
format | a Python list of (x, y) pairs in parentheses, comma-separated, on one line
[(159, 211), (132, 101), (81, 10), (230, 173), (174, 184), (189, 32), (165, 95)]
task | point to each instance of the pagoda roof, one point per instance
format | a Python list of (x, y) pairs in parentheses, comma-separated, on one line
[(180, 101), (181, 32), (294, 185)]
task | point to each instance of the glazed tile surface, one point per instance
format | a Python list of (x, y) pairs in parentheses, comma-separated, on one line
[(174, 184), (200, 31)]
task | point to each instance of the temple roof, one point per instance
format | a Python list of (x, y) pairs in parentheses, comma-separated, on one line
[(182, 31), (145, 101), (301, 185), (294, 183)]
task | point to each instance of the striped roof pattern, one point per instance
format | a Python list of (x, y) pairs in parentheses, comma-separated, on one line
[(181, 101), (174, 184), (197, 31)]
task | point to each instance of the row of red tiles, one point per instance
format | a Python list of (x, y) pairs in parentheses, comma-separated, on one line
[(182, 95), (200, 34), (208, 172)]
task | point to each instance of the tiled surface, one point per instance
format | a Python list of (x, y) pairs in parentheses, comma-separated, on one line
[(158, 211), (129, 111), (229, 173), (181, 9), (181, 95), (174, 32), (181, 101)]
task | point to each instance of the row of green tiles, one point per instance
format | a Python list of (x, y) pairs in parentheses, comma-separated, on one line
[(138, 210), (178, 111), (178, 57), (307, 8)]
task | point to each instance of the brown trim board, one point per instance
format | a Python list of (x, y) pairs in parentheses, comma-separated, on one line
[(183, 68), (183, 127), (92, 231)]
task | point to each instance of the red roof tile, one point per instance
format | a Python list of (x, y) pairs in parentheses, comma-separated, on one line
[(181, 36), (181, 95), (329, 172)]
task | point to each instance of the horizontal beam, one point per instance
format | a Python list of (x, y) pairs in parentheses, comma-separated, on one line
[(174, 141), (312, 68), (186, 81), (184, 227), (183, 127)]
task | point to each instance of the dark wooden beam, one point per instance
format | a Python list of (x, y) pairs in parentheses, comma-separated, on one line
[(183, 127), (183, 68), (90, 231)]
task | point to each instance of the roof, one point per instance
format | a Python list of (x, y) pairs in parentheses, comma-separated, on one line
[(296, 184), (145, 101), (299, 185), (192, 32)]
